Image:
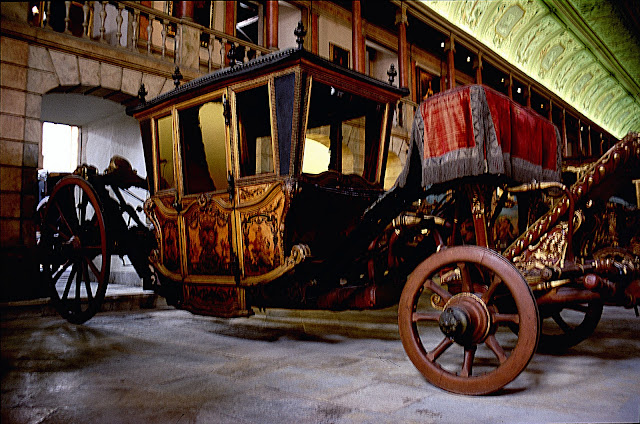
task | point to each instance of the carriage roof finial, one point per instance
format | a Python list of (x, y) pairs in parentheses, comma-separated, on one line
[(300, 33)]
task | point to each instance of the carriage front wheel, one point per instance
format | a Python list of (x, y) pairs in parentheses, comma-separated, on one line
[(454, 317), (74, 251)]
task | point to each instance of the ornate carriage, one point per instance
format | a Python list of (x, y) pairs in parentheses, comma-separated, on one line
[(266, 190)]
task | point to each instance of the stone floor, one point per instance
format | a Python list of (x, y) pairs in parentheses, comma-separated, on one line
[(168, 366)]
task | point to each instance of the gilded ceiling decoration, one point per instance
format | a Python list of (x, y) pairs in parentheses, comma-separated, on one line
[(582, 50)]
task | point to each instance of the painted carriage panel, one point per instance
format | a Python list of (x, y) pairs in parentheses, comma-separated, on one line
[(261, 231), (165, 220), (208, 235)]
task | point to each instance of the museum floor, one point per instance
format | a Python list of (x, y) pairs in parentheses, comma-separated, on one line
[(162, 365)]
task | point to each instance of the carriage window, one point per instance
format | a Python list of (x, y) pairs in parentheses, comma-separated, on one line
[(343, 133), (254, 131), (165, 153), (202, 137)]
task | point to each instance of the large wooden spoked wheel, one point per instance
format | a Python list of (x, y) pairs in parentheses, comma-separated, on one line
[(454, 317), (75, 256)]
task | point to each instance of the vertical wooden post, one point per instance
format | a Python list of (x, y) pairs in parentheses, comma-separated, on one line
[(477, 65), (272, 24), (565, 143), (403, 53), (185, 10), (229, 25), (357, 37), (314, 33), (450, 47)]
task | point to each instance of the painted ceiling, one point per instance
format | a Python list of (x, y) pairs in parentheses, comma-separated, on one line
[(585, 51)]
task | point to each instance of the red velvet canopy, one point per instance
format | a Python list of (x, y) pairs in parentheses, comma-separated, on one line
[(474, 130)]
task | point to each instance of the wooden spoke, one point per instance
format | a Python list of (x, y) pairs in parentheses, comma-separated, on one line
[(465, 275), (87, 280), (426, 316), (440, 349), (495, 347), (64, 219), (495, 282), (503, 319), (67, 287), (64, 267), (94, 269), (438, 289), (467, 365)]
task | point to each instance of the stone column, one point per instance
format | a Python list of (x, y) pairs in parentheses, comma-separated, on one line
[(403, 53), (20, 140), (272, 24), (450, 48), (357, 37)]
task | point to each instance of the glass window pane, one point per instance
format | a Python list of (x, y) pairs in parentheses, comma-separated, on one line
[(343, 133), (165, 153), (202, 136), (254, 131)]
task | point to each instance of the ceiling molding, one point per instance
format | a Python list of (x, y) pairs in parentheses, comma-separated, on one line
[(572, 48)]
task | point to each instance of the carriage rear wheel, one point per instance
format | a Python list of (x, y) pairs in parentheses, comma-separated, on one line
[(454, 317), (75, 257), (567, 325)]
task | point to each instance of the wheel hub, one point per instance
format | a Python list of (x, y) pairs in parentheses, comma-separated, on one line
[(465, 319)]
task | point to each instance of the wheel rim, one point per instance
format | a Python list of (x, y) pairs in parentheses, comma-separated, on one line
[(454, 315), (75, 258)]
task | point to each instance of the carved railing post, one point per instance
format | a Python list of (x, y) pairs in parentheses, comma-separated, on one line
[(67, 19), (135, 31), (119, 20), (47, 22), (85, 20), (210, 50), (149, 32), (163, 34), (103, 18)]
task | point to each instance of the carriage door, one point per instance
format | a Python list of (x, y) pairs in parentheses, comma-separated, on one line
[(207, 208), (259, 197)]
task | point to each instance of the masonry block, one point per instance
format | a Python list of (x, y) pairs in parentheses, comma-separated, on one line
[(66, 66), (12, 101), (13, 76), (41, 82), (30, 155), (153, 84), (40, 59), (34, 106), (33, 130), (12, 127), (14, 51), (10, 178), (131, 81), (10, 205), (110, 76), (89, 72)]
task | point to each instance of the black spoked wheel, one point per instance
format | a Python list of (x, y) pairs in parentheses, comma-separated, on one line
[(567, 325), (75, 257), (455, 315)]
